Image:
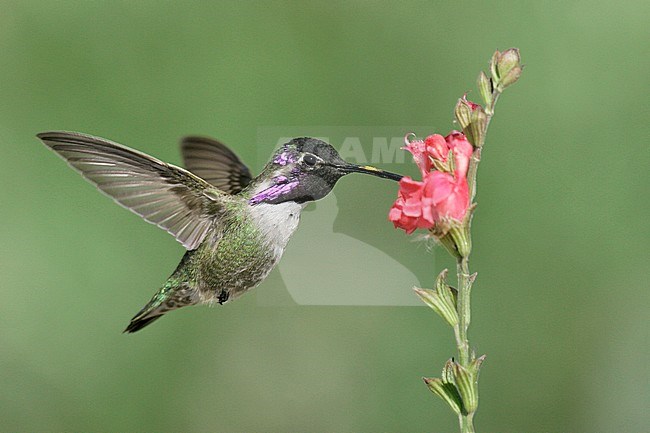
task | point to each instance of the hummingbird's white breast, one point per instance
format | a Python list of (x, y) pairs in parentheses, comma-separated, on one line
[(277, 222)]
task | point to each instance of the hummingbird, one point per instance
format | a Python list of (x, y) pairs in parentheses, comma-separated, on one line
[(233, 226)]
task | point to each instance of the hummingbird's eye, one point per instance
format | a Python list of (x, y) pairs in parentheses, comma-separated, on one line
[(310, 159)]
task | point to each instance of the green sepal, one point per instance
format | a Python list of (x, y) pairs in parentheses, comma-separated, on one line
[(463, 113), (446, 391), (493, 66), (448, 371), (442, 300), (451, 161), (475, 366), (439, 305), (467, 387), (448, 243), (511, 77), (485, 88), (477, 127), (441, 166), (446, 167), (459, 233), (445, 290)]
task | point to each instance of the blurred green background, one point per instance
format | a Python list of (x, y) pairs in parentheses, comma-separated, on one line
[(561, 303)]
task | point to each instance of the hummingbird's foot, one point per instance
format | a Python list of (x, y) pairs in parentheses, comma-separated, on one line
[(223, 297)]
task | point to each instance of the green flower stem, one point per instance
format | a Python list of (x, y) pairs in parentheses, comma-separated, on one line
[(466, 423), (464, 311), (471, 172), (462, 342), (462, 263), (458, 385), (489, 110), (465, 279)]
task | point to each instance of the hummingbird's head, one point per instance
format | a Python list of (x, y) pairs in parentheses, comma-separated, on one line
[(306, 169)]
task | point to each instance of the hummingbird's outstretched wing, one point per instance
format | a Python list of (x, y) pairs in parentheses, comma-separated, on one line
[(165, 195), (216, 163)]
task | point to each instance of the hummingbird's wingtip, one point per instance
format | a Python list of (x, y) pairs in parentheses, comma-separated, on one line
[(48, 134)]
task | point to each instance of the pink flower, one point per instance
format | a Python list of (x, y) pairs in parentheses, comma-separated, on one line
[(437, 147), (462, 150), (420, 154), (448, 196), (408, 211), (424, 204), (441, 195)]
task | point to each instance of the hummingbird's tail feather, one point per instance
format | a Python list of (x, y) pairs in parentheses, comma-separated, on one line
[(137, 324), (172, 295), (150, 312)]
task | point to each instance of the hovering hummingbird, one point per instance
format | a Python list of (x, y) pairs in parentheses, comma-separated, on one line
[(234, 227)]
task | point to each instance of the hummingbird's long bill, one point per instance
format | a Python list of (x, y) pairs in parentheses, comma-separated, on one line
[(368, 169)]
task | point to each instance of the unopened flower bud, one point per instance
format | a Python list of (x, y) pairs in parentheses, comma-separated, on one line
[(508, 60), (511, 77), (506, 67)]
